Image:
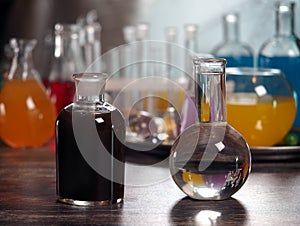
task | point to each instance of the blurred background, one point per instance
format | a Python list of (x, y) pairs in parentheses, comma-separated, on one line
[(36, 19), (151, 77)]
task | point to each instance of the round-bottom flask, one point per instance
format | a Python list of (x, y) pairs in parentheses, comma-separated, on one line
[(210, 160)]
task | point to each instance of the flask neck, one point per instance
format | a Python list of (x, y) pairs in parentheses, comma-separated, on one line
[(293, 18), (90, 88), (231, 27), (210, 91), (22, 63), (284, 19)]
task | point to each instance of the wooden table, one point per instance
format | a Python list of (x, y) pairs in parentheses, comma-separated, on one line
[(271, 196)]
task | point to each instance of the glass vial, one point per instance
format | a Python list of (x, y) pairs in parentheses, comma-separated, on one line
[(90, 36), (191, 45), (281, 51), (236, 53), (129, 53), (89, 146), (127, 70), (27, 114), (172, 97), (92, 46), (188, 113), (210, 160), (142, 36), (67, 60)]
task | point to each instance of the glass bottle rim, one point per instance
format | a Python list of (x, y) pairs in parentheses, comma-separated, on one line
[(190, 31), (232, 17), (209, 60), (251, 71), (142, 31), (283, 6), (90, 77)]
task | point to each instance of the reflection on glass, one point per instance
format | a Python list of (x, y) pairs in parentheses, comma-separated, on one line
[(208, 213)]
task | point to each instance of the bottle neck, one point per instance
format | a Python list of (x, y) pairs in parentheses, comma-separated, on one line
[(284, 20), (231, 28), (89, 100), (90, 89), (210, 91), (22, 63), (293, 18)]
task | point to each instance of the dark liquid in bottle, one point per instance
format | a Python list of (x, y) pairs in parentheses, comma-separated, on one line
[(76, 179)]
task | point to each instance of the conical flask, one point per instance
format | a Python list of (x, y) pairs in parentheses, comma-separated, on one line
[(27, 115)]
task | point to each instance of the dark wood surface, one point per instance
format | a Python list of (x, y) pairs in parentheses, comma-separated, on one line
[(271, 196)]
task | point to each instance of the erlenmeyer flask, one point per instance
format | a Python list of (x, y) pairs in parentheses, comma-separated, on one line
[(27, 115)]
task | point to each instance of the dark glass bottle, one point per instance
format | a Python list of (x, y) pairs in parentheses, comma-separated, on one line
[(89, 146), (236, 53), (281, 51)]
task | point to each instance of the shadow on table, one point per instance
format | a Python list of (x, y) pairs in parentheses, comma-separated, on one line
[(195, 212)]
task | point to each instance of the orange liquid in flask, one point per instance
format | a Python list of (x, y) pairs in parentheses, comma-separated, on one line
[(262, 123), (27, 115)]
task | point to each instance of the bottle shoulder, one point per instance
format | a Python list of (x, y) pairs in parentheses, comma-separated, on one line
[(97, 109), (71, 115), (280, 46)]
